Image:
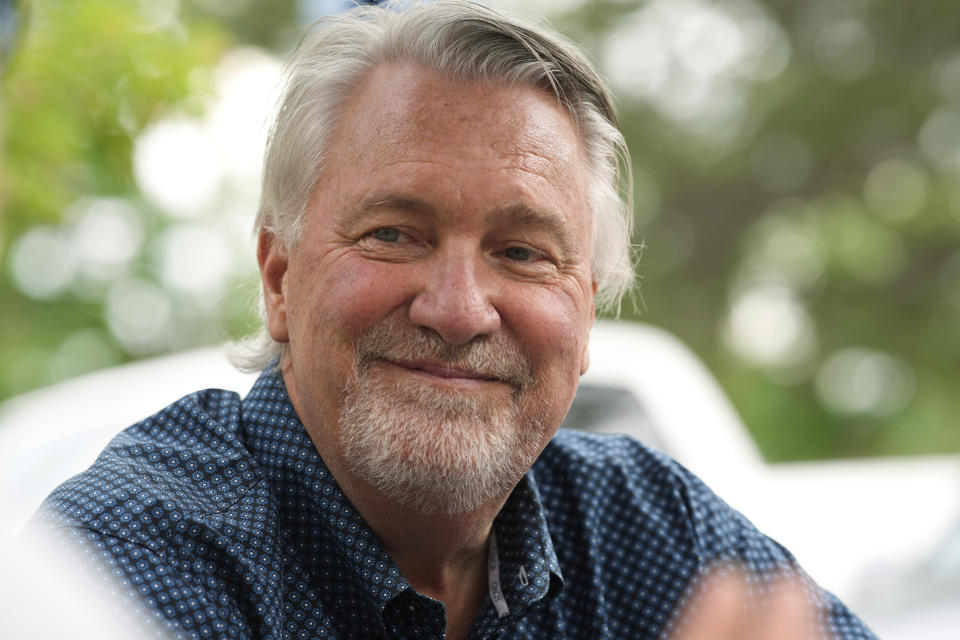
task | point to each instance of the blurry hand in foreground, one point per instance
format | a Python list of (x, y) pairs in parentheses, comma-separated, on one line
[(726, 607)]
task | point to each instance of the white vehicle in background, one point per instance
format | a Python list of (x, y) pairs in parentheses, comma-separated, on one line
[(883, 534)]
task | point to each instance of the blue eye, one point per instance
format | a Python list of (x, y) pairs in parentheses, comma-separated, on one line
[(518, 253), (386, 234)]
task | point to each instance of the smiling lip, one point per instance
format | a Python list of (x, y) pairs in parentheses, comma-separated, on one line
[(442, 370)]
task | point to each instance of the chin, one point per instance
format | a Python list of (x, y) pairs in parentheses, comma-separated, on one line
[(432, 450)]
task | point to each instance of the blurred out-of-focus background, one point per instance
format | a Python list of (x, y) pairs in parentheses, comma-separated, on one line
[(796, 168), (797, 173)]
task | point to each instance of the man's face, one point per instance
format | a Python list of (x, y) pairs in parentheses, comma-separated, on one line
[(439, 303)]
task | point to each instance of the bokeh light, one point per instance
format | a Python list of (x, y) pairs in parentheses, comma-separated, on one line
[(160, 14), (138, 314), (856, 380), (105, 235), (768, 326), (177, 167), (41, 263), (845, 49), (195, 260), (784, 245), (246, 82), (83, 351), (939, 138), (896, 189), (946, 76), (858, 244), (690, 59)]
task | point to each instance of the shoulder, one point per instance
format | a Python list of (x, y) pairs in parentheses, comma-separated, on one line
[(187, 458), (623, 517), (598, 449), (592, 462), (175, 504), (624, 482)]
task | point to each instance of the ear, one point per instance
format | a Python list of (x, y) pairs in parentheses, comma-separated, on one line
[(585, 355), (272, 258)]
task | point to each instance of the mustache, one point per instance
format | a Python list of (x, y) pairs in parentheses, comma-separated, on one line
[(493, 357)]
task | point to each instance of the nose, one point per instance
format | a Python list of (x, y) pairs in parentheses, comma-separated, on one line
[(455, 300)]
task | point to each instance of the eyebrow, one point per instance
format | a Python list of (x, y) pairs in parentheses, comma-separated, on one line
[(525, 216), (402, 203), (393, 202), (518, 214)]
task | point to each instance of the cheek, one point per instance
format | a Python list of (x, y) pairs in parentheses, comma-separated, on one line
[(349, 295), (555, 331)]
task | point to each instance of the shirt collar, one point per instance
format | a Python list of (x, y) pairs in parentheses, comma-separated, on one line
[(529, 568)]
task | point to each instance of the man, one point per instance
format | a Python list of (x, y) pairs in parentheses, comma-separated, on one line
[(441, 208)]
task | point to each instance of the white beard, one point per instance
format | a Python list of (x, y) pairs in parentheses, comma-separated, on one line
[(431, 450)]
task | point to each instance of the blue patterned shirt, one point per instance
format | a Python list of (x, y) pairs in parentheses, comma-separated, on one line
[(217, 518)]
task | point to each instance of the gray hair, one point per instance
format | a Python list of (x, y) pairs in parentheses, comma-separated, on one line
[(465, 41)]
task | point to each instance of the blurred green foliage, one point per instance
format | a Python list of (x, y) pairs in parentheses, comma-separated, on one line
[(796, 167), (874, 198), (88, 77)]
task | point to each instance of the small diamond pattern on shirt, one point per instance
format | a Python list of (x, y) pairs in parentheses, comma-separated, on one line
[(217, 518)]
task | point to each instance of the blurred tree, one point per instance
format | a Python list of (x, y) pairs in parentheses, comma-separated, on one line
[(89, 77), (798, 197), (274, 25), (10, 19), (796, 168)]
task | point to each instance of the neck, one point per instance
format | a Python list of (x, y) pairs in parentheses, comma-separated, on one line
[(444, 558)]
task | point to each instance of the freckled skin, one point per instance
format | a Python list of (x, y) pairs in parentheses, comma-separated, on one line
[(467, 151)]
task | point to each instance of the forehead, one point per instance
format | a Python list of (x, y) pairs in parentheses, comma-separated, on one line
[(403, 115)]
